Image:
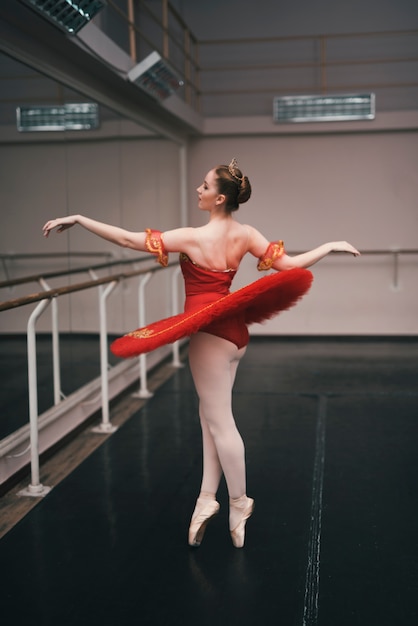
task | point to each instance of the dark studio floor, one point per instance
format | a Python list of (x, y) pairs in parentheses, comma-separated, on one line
[(331, 432)]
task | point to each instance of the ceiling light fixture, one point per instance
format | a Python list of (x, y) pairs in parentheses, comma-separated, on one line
[(155, 76), (69, 15), (76, 116), (327, 108)]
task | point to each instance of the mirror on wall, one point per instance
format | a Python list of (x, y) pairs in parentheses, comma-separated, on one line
[(119, 173), (60, 153)]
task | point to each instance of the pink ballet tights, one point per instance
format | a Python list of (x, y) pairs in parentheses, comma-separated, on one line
[(213, 363)]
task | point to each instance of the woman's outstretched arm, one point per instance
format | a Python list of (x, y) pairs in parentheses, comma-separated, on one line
[(179, 239), (306, 259), (258, 244), (114, 234)]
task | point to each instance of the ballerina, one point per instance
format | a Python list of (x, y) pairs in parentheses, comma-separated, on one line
[(216, 321)]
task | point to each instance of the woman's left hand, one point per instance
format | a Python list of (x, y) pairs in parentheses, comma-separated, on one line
[(344, 246)]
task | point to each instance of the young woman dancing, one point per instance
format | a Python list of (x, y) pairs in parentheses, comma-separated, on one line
[(210, 256)]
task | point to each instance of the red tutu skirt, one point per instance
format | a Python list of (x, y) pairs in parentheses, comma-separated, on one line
[(259, 300)]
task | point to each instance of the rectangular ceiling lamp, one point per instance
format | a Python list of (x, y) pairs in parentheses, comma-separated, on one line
[(327, 108), (80, 116), (155, 76), (69, 15)]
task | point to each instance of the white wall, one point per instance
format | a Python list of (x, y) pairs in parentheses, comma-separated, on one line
[(314, 188)]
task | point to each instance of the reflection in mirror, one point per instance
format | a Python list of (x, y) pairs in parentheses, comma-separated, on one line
[(118, 173)]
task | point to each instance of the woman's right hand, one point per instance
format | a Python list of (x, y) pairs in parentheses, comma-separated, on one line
[(60, 223)]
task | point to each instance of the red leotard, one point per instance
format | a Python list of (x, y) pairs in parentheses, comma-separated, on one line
[(204, 286)]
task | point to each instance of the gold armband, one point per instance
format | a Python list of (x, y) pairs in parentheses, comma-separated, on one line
[(274, 251), (154, 244)]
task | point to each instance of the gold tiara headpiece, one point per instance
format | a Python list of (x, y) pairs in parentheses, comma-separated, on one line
[(232, 168)]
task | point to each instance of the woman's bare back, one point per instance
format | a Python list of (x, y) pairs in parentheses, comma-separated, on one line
[(221, 244)]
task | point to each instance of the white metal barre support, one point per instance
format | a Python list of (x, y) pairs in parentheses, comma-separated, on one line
[(35, 488), (105, 426), (143, 391), (175, 309), (56, 367)]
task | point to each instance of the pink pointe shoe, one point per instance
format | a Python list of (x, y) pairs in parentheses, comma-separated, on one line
[(246, 506), (200, 519)]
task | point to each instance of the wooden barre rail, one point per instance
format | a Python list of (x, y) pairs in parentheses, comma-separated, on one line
[(76, 270), (60, 291)]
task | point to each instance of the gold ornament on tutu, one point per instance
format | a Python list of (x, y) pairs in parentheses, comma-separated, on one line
[(142, 333)]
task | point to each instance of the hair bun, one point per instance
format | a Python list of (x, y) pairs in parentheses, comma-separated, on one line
[(233, 184), (244, 190)]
